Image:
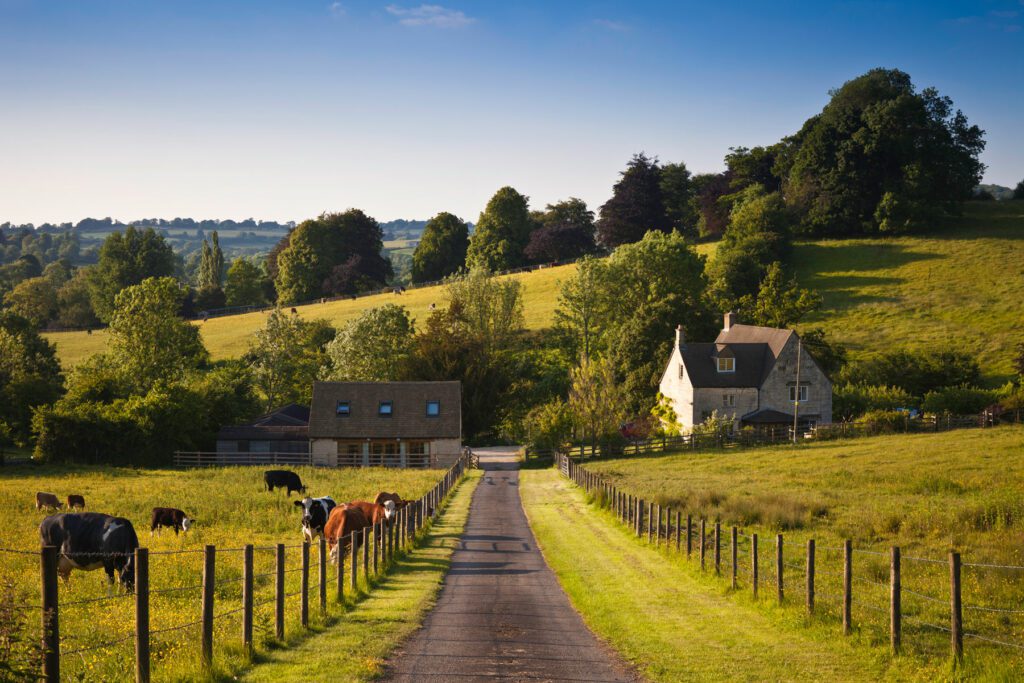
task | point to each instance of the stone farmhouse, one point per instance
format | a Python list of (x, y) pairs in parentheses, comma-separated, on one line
[(749, 374)]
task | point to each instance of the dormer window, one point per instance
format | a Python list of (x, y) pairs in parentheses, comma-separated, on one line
[(727, 365)]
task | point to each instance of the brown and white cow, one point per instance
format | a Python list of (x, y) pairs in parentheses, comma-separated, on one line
[(376, 512), (384, 496), (76, 501), (343, 521), (47, 500), (172, 517)]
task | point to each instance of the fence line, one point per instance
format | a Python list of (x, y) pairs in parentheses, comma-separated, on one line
[(401, 534), (767, 567)]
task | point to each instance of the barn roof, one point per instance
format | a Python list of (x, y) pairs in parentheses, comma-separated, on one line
[(408, 419)]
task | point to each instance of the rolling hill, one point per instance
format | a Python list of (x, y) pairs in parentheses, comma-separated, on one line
[(959, 287)]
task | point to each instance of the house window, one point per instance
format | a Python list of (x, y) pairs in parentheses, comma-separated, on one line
[(385, 408), (727, 365), (344, 409), (682, 371), (729, 400), (433, 408), (793, 395)]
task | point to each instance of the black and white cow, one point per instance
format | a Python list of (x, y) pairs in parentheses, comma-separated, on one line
[(283, 479), (90, 540), (315, 512)]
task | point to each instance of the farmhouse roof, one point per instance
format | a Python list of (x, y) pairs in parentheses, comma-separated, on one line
[(287, 423), (408, 418), (769, 416), (702, 366)]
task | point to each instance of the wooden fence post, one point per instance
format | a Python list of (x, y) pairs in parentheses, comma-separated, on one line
[(679, 531), (247, 599), (734, 557), (391, 542), (779, 583), (141, 615), (689, 535), (209, 582), (279, 591), (639, 517), (847, 585), (895, 611), (322, 558), (810, 576), (956, 622), (650, 522), (718, 548), (753, 564), (366, 556), (304, 596), (354, 544), (51, 622), (703, 544), (376, 549)]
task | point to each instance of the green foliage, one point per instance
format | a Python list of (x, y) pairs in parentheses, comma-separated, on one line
[(127, 259), (755, 166), (959, 400), (636, 205), (851, 401), (665, 414), (442, 248), (678, 192), (916, 373), (34, 299), (710, 203), (502, 232), (211, 266), (829, 355), (597, 401), (581, 309), (74, 304), (782, 303), (245, 284), (1018, 192), (30, 376), (490, 308), (564, 231), (883, 421), (374, 347), (149, 343), (335, 253), (714, 425), (1018, 359), (548, 426), (286, 356), (881, 157)]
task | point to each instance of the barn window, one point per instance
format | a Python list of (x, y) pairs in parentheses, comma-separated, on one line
[(793, 394), (727, 365), (433, 408), (344, 409), (729, 400), (385, 408)]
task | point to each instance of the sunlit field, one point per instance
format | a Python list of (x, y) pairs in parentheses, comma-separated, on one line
[(231, 508)]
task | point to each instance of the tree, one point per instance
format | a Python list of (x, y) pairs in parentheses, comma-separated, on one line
[(149, 343), (211, 265), (678, 192), (74, 305), (34, 299), (244, 285), (636, 205), (307, 267), (880, 157), (597, 401), (753, 167), (502, 232), (442, 248), (581, 314), (490, 308), (127, 259), (30, 375), (1018, 359), (374, 347), (916, 373), (782, 303), (565, 232), (1018, 192), (286, 356)]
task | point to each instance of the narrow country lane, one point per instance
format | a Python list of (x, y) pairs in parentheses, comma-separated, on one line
[(501, 614)]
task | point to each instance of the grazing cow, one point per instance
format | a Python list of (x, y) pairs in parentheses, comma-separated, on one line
[(172, 517), (90, 540), (47, 500), (343, 521), (384, 496), (374, 512), (315, 512), (283, 479), (76, 501)]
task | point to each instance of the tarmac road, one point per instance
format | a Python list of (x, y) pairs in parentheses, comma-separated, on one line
[(501, 615)]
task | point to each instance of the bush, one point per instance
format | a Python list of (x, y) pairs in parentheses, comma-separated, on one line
[(548, 426), (850, 401), (884, 421), (916, 373), (961, 400)]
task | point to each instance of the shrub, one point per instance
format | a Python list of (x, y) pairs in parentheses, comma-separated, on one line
[(916, 373), (960, 400), (850, 401), (883, 421)]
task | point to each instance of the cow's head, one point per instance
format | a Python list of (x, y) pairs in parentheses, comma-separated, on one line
[(307, 505), (389, 509), (334, 549), (187, 523), (127, 575)]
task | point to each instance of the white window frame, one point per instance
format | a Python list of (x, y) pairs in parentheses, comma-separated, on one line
[(730, 365), (729, 400), (802, 394)]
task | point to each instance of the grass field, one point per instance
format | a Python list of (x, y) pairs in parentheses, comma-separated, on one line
[(231, 509), (930, 493)]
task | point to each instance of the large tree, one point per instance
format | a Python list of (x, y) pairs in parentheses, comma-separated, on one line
[(244, 285), (565, 232), (374, 347), (34, 299), (636, 205), (30, 375), (442, 248), (336, 253), (678, 192), (127, 259), (881, 157), (286, 356), (502, 232)]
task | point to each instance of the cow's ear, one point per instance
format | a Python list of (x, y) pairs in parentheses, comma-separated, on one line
[(298, 503)]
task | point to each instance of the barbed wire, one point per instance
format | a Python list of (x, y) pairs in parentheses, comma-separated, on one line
[(177, 589), (925, 559), (978, 608), (86, 601), (978, 636), (923, 596), (991, 566), (100, 646), (13, 551), (916, 622)]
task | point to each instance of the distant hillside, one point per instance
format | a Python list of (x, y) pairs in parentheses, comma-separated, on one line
[(999, 192), (962, 288)]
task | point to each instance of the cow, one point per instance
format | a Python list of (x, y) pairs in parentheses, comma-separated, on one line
[(384, 496), (172, 517), (343, 521), (315, 512), (90, 540), (47, 500), (76, 501), (376, 512), (283, 479)]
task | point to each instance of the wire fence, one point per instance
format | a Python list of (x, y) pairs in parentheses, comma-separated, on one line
[(924, 599), (266, 586)]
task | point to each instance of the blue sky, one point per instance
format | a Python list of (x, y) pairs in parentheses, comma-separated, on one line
[(281, 110)]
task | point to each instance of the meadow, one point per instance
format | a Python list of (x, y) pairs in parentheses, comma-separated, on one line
[(927, 494), (231, 508)]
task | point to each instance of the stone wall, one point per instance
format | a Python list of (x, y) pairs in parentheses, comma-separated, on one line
[(775, 390)]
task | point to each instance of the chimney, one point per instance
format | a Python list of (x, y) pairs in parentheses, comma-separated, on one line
[(680, 337), (730, 320)]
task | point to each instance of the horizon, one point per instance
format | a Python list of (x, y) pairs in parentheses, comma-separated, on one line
[(255, 110)]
